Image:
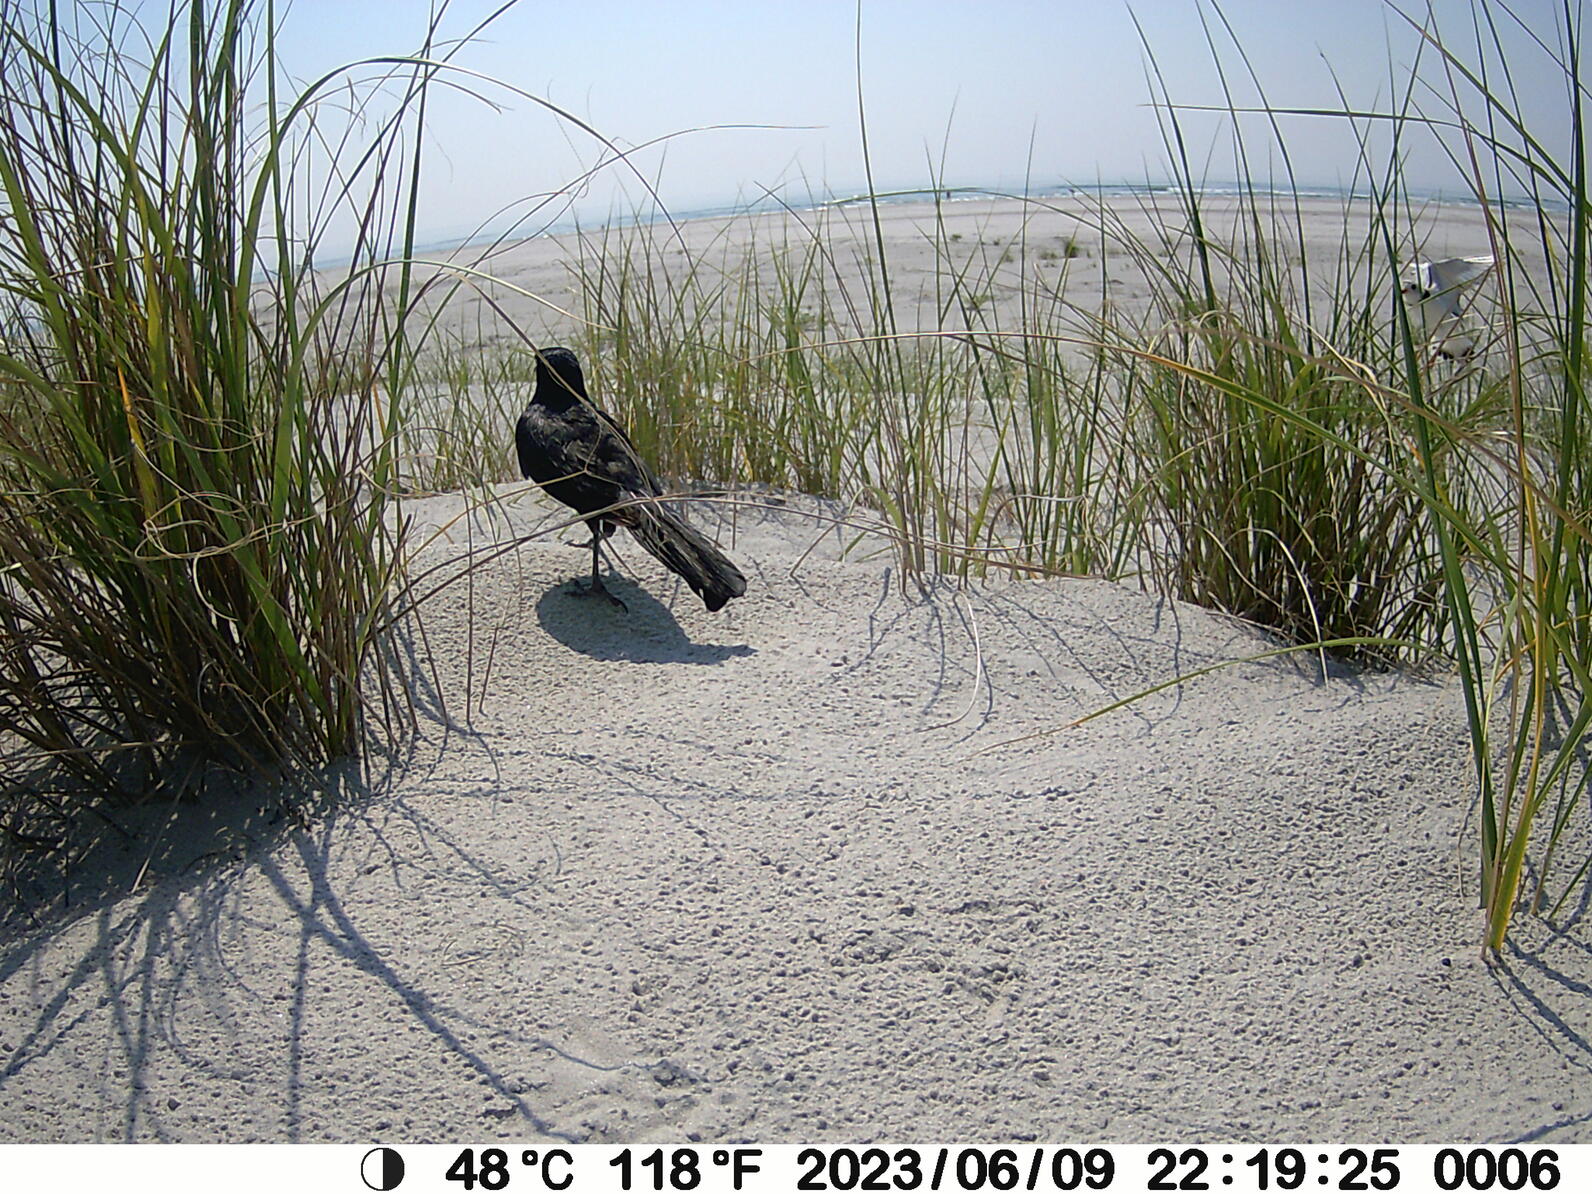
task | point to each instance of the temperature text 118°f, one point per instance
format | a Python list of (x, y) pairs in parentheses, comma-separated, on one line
[(681, 1168)]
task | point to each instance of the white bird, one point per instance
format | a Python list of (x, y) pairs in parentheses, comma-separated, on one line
[(1433, 293)]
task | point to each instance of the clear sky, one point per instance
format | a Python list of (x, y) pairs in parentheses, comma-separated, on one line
[(977, 93)]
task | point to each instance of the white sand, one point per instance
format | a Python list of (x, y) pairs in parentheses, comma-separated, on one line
[(802, 870), (1002, 247)]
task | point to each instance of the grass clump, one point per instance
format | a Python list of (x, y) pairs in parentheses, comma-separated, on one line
[(196, 558), (1483, 523), (1285, 511), (1278, 481), (1517, 567)]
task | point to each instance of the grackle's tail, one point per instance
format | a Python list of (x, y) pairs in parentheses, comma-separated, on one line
[(686, 552)]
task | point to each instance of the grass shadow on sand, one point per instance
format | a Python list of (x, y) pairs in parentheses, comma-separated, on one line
[(1553, 1002), (138, 958)]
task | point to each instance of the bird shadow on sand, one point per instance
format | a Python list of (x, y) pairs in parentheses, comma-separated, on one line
[(644, 632)]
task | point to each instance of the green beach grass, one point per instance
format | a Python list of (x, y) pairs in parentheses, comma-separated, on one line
[(198, 556), (194, 555)]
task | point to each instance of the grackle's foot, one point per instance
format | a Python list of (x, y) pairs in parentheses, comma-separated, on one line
[(596, 588)]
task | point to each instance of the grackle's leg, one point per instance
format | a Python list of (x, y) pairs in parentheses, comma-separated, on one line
[(596, 588)]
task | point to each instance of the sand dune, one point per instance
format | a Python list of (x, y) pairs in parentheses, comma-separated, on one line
[(803, 871)]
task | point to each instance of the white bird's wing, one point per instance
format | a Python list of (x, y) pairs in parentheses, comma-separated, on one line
[(1457, 271)]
